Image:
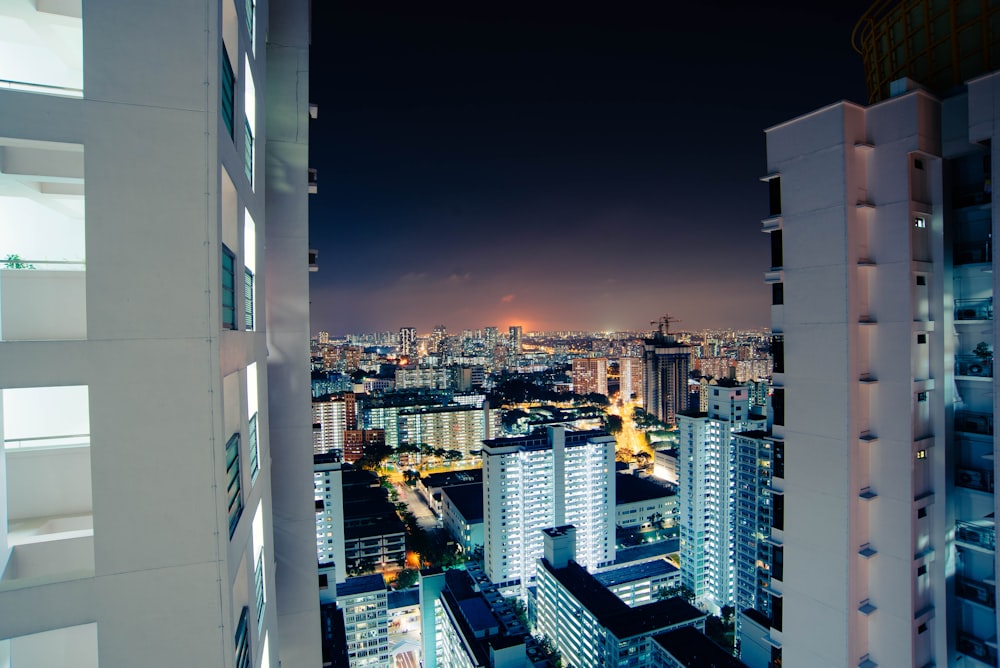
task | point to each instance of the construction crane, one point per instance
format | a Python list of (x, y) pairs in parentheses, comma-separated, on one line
[(663, 324)]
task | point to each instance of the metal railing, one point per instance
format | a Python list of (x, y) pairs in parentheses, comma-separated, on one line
[(979, 534), (974, 309), (974, 423)]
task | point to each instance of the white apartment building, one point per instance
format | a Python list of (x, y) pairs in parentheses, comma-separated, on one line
[(364, 601), (329, 499), (707, 472), (138, 486), (552, 477), (882, 223)]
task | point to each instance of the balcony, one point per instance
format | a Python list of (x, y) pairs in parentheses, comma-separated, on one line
[(970, 645), (971, 422), (978, 479), (973, 366), (973, 309), (975, 591), (980, 534), (42, 48)]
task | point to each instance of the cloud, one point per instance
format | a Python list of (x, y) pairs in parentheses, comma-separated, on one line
[(506, 299), (459, 278)]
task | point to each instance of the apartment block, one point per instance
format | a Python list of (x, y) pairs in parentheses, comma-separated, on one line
[(150, 267), (551, 475)]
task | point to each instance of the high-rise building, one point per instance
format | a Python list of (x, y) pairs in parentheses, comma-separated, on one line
[(329, 498), (707, 482), (552, 477), (514, 339), (146, 519), (437, 334), (364, 601), (758, 457), (631, 382), (590, 375), (331, 418), (408, 341), (665, 364), (883, 278)]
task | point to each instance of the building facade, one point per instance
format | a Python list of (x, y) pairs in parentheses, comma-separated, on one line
[(881, 229), (665, 364), (529, 482), (707, 465), (364, 602), (590, 375), (134, 198)]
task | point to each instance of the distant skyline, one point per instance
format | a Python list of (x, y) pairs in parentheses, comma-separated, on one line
[(567, 167)]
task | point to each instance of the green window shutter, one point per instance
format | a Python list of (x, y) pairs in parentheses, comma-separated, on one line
[(228, 289)]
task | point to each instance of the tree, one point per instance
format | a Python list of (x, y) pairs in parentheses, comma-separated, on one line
[(407, 578), (453, 455), (613, 423), (411, 477)]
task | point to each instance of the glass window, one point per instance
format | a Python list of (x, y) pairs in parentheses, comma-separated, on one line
[(228, 289)]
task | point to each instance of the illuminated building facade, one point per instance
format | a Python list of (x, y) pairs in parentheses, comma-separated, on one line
[(552, 477), (590, 375), (630, 373), (148, 520), (408, 341), (707, 466), (514, 334)]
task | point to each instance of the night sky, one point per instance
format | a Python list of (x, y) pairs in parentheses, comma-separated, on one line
[(556, 165)]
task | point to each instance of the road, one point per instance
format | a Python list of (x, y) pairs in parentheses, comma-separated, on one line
[(425, 517)]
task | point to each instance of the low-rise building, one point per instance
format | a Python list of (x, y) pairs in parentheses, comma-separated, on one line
[(462, 514), (588, 624), (687, 647), (665, 464), (643, 503), (642, 583)]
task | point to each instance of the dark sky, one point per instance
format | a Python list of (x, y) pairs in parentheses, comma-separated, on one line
[(557, 165)]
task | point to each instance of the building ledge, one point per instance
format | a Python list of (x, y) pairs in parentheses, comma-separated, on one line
[(866, 608), (867, 551)]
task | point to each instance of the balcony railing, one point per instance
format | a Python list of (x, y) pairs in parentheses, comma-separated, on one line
[(973, 252), (975, 591), (978, 534), (970, 645), (974, 423), (973, 366), (977, 479), (974, 309)]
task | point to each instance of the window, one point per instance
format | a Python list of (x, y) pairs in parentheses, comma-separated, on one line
[(228, 91), (778, 512), (248, 152), (258, 584), (778, 405), (778, 352), (776, 611), (252, 426), (921, 279), (777, 293), (921, 454), (922, 512), (922, 629), (233, 489), (921, 396), (778, 563), (228, 289), (244, 659), (248, 299), (777, 255), (921, 338), (918, 163), (774, 193), (921, 570), (920, 222), (778, 470)]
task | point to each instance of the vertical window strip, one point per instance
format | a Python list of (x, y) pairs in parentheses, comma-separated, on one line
[(228, 289), (248, 152), (228, 92), (233, 488), (254, 459), (259, 587), (251, 16), (248, 298), (243, 656)]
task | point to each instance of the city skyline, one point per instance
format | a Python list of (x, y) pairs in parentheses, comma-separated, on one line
[(578, 171)]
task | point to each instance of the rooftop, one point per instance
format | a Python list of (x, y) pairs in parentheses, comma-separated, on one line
[(363, 584), (632, 489), (404, 598), (612, 613), (693, 649), (447, 478), (647, 551), (467, 499), (635, 572)]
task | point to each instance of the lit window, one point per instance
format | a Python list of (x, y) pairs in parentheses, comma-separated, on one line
[(920, 222), (921, 454)]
